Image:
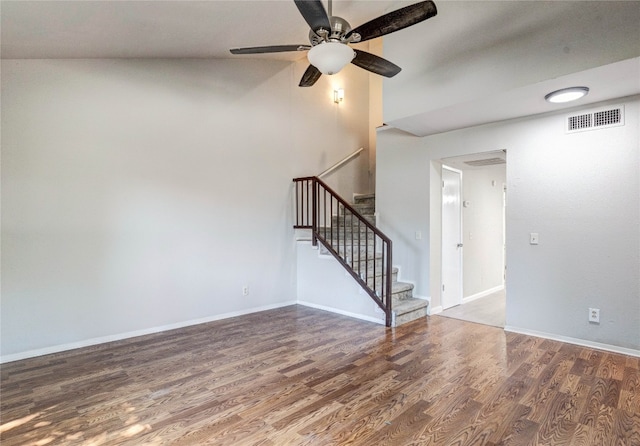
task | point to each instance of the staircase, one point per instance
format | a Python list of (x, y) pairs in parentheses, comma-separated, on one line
[(348, 233), (406, 308)]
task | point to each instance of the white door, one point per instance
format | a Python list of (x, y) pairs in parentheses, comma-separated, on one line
[(451, 237)]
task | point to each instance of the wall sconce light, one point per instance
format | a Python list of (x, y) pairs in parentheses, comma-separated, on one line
[(338, 95)]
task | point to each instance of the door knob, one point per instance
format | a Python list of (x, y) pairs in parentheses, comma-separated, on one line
[(459, 245)]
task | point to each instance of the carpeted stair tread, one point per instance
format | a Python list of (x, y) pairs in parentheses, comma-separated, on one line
[(409, 310), (408, 305), (399, 287), (364, 199)]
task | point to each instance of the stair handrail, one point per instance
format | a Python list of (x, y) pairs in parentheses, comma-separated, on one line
[(340, 163), (314, 209)]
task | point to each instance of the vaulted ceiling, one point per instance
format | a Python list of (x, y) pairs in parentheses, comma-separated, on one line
[(475, 62)]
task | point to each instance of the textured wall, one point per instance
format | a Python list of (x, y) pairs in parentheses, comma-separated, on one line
[(580, 192), (143, 194)]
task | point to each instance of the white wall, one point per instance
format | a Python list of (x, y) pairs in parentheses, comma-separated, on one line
[(482, 223), (324, 283), (144, 194), (402, 204), (580, 192)]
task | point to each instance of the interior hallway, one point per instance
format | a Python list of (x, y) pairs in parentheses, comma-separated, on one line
[(488, 310)]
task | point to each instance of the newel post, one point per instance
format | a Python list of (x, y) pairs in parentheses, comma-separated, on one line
[(314, 211), (389, 267)]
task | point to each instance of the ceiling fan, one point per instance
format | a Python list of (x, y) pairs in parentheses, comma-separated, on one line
[(330, 36)]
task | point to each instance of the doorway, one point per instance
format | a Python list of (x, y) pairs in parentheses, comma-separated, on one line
[(479, 248)]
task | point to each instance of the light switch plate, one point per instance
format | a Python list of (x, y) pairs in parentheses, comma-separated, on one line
[(533, 238)]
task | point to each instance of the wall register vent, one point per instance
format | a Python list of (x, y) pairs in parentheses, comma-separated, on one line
[(595, 120)]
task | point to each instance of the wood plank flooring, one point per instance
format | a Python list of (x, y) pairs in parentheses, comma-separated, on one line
[(300, 376)]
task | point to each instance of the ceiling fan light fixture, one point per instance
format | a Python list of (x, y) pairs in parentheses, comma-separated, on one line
[(566, 94), (330, 57)]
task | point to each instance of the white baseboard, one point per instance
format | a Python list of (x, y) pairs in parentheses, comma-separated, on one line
[(434, 310), (133, 334), (576, 341), (343, 313), (482, 294)]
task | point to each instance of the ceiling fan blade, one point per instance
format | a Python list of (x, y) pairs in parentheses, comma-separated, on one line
[(395, 20), (310, 77), (314, 13), (375, 64), (269, 49)]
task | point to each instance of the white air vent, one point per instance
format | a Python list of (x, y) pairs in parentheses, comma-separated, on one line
[(606, 118), (579, 122), (597, 119), (486, 162)]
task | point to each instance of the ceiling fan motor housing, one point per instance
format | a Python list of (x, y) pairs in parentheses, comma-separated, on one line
[(339, 28)]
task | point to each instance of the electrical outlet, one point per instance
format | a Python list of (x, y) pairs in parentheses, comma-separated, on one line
[(245, 290), (594, 315)]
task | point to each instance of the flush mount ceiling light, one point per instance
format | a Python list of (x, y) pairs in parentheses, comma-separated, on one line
[(330, 57), (566, 94)]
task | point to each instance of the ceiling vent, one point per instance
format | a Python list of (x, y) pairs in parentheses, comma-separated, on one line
[(595, 120), (485, 162)]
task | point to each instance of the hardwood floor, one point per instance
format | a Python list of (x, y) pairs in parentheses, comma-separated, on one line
[(299, 376)]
